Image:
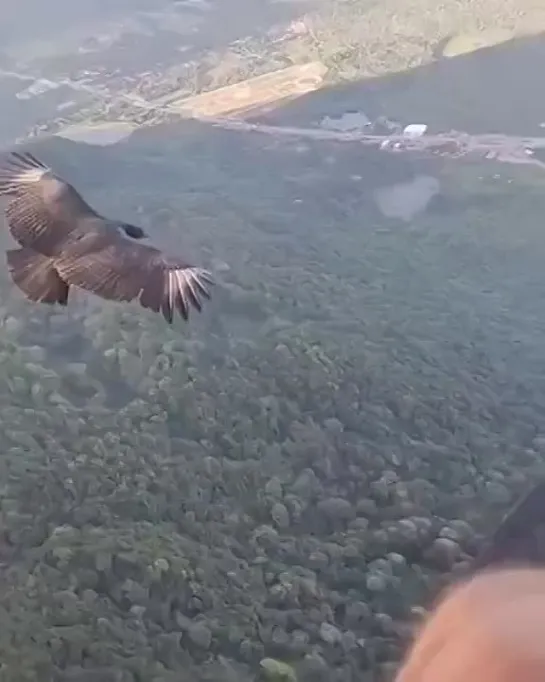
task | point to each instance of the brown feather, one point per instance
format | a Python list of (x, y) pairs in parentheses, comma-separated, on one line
[(45, 210), (36, 276), (117, 269)]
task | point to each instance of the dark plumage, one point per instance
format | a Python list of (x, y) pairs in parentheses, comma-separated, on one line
[(64, 242), (520, 537)]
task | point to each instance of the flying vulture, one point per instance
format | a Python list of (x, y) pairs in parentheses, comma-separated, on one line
[(64, 242)]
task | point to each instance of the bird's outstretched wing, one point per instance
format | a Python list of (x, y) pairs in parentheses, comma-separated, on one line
[(520, 537), (43, 210), (121, 270)]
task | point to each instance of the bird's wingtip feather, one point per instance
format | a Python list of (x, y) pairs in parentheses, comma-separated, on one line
[(18, 169), (184, 289)]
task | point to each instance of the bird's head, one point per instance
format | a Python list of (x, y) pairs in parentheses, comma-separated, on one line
[(133, 231)]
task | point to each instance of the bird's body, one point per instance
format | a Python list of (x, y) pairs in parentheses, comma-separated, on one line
[(65, 242)]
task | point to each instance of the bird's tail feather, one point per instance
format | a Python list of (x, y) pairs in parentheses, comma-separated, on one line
[(36, 276), (18, 169)]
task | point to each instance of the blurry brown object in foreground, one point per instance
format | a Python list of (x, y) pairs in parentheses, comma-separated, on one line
[(488, 629)]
